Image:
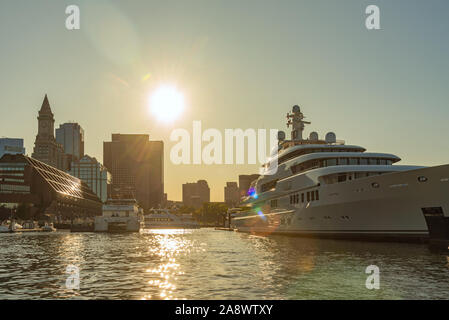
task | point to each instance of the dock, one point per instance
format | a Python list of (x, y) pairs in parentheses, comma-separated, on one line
[(224, 229), (27, 230)]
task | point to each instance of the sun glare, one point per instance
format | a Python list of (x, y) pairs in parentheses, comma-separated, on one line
[(166, 103)]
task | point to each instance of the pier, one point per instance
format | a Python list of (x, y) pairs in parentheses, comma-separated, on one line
[(224, 229)]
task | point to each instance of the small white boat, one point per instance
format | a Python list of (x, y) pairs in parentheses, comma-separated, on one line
[(120, 215), (163, 219), (17, 226), (48, 227), (4, 229)]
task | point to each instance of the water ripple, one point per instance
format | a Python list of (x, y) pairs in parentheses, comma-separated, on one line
[(209, 264)]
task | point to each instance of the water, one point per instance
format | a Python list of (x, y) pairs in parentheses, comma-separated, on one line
[(210, 264)]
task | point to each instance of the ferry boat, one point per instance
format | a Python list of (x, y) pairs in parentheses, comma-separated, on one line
[(326, 188), (119, 215), (163, 219)]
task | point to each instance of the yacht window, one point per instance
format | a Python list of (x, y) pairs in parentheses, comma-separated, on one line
[(274, 203), (269, 185), (313, 196), (308, 196), (317, 196), (302, 197), (342, 178), (331, 162), (290, 199), (389, 162), (382, 161), (363, 161), (353, 161), (343, 161), (372, 161)]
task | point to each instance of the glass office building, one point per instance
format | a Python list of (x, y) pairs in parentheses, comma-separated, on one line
[(45, 190), (11, 145), (97, 177)]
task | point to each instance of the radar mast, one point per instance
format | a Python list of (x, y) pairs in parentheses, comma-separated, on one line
[(296, 120)]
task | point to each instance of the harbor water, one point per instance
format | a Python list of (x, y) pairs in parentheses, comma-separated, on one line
[(213, 264)]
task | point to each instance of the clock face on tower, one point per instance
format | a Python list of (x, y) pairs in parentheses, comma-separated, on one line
[(44, 127)]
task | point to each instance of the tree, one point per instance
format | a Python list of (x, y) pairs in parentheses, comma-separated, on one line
[(211, 212)]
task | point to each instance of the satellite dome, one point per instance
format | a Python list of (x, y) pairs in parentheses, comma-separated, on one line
[(281, 135), (313, 136), (331, 137), (296, 108)]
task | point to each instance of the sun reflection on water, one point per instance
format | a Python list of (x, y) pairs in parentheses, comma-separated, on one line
[(166, 245)]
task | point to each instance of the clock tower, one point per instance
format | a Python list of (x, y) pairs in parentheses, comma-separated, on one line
[(46, 121), (46, 149)]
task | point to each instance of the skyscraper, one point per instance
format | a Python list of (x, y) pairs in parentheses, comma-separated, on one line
[(71, 137), (137, 168), (196, 193), (11, 146), (46, 149), (231, 194), (92, 172)]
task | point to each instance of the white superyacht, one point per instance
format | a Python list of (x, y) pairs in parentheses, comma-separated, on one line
[(164, 219), (325, 188)]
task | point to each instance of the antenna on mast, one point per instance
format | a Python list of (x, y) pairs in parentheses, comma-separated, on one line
[(295, 119)]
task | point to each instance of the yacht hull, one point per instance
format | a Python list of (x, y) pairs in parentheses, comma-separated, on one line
[(388, 207)]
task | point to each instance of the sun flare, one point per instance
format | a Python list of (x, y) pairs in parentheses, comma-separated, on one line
[(166, 103)]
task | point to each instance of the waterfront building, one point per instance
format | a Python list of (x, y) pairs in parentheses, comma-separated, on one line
[(71, 137), (137, 168), (245, 181), (94, 174), (231, 194), (11, 146), (45, 190), (196, 193), (46, 149)]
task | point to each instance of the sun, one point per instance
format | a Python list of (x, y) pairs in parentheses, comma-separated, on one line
[(166, 103)]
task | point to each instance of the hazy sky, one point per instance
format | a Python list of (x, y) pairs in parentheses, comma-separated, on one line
[(240, 64)]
